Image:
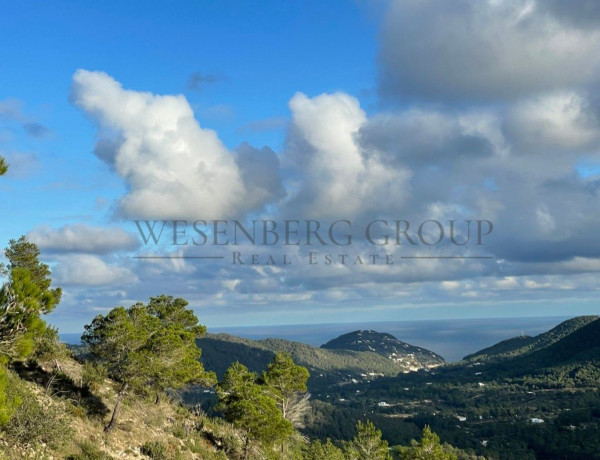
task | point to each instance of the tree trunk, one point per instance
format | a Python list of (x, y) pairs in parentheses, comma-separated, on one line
[(116, 410)]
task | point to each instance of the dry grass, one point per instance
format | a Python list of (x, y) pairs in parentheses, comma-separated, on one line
[(141, 421)]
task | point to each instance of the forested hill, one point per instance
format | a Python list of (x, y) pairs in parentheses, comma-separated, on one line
[(525, 398), (580, 346), (519, 346), (386, 345), (326, 366)]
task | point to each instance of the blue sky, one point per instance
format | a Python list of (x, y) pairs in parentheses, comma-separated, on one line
[(355, 110), (262, 55), (261, 58)]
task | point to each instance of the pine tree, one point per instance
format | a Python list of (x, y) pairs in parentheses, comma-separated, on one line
[(3, 166), (367, 444), (144, 347), (23, 299), (25, 255), (429, 448), (245, 404), (316, 450), (286, 383), (175, 342)]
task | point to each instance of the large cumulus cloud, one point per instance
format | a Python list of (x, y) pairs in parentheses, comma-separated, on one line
[(337, 178), (172, 166), (474, 50)]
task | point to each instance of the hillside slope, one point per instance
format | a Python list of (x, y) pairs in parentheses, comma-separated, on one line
[(580, 346), (386, 345), (519, 346), (60, 416), (326, 366)]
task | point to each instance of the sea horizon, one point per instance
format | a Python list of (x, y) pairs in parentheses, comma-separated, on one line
[(451, 338)]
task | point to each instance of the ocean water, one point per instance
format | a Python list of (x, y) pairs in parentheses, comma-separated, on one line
[(452, 339), (70, 338)]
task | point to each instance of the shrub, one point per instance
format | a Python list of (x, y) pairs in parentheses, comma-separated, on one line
[(180, 431), (8, 402), (156, 450), (196, 445), (47, 346), (77, 411), (93, 375), (32, 423), (89, 451)]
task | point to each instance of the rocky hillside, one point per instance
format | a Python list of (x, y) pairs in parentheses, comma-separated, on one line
[(387, 345), (62, 414)]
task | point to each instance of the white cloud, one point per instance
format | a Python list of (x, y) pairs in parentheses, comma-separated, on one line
[(83, 238), (338, 177), (89, 270), (173, 167), (450, 285), (508, 282), (555, 121), (483, 49)]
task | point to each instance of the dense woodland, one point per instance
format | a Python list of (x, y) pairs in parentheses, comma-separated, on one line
[(527, 397)]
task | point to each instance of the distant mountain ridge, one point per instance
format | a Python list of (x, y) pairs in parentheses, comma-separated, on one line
[(519, 346), (362, 355), (326, 366), (386, 345)]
